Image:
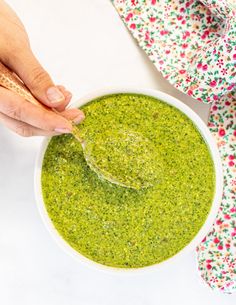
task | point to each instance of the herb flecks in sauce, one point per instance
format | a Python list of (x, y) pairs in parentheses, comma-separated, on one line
[(122, 227), (125, 157)]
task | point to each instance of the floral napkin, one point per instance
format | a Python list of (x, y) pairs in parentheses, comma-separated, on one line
[(193, 44)]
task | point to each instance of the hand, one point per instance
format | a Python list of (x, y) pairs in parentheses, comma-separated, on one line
[(16, 113)]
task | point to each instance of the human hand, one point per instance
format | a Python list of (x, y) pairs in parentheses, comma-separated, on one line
[(16, 113)]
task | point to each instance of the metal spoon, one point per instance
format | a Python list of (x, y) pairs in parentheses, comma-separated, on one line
[(124, 157), (139, 178)]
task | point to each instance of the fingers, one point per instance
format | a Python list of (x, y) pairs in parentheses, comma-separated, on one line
[(75, 115), (67, 94), (29, 120), (24, 129), (17, 108), (27, 67)]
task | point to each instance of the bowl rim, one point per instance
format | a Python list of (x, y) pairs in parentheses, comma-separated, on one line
[(203, 129)]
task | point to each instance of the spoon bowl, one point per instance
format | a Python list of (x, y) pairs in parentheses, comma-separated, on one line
[(113, 156)]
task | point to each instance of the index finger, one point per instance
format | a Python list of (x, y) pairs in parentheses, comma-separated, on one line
[(16, 107)]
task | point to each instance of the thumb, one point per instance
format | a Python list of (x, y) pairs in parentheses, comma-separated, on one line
[(28, 68)]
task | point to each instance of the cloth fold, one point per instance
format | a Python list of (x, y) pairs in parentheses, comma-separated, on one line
[(193, 44)]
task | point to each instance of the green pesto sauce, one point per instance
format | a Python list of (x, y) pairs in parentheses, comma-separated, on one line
[(123, 227), (112, 154)]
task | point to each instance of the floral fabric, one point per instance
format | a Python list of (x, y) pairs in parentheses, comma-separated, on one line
[(193, 44), (217, 252)]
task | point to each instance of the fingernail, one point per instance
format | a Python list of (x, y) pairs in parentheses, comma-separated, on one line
[(79, 118), (54, 95), (62, 130)]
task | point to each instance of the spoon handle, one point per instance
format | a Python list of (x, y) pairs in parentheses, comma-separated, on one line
[(13, 83)]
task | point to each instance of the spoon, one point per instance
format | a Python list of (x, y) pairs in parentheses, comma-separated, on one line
[(124, 157), (114, 156)]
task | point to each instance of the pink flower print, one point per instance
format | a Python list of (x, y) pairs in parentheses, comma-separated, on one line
[(205, 34), (225, 259), (152, 19), (188, 79), (134, 2), (227, 103), (231, 87), (216, 240), (233, 182), (231, 157), (199, 65), (234, 57), (187, 4), (214, 279), (214, 108), (224, 71), (179, 17), (231, 163), (182, 10), (227, 216), (208, 266), (153, 2), (184, 45), (205, 67), (219, 222), (221, 132), (227, 246), (147, 37), (133, 26), (233, 210), (167, 8), (128, 17), (213, 83), (164, 32), (182, 71), (186, 35), (231, 265), (190, 92), (220, 247), (234, 133), (220, 63)]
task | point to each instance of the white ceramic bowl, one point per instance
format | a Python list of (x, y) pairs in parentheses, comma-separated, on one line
[(218, 174)]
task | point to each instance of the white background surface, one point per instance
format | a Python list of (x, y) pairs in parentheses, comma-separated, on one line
[(84, 46)]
